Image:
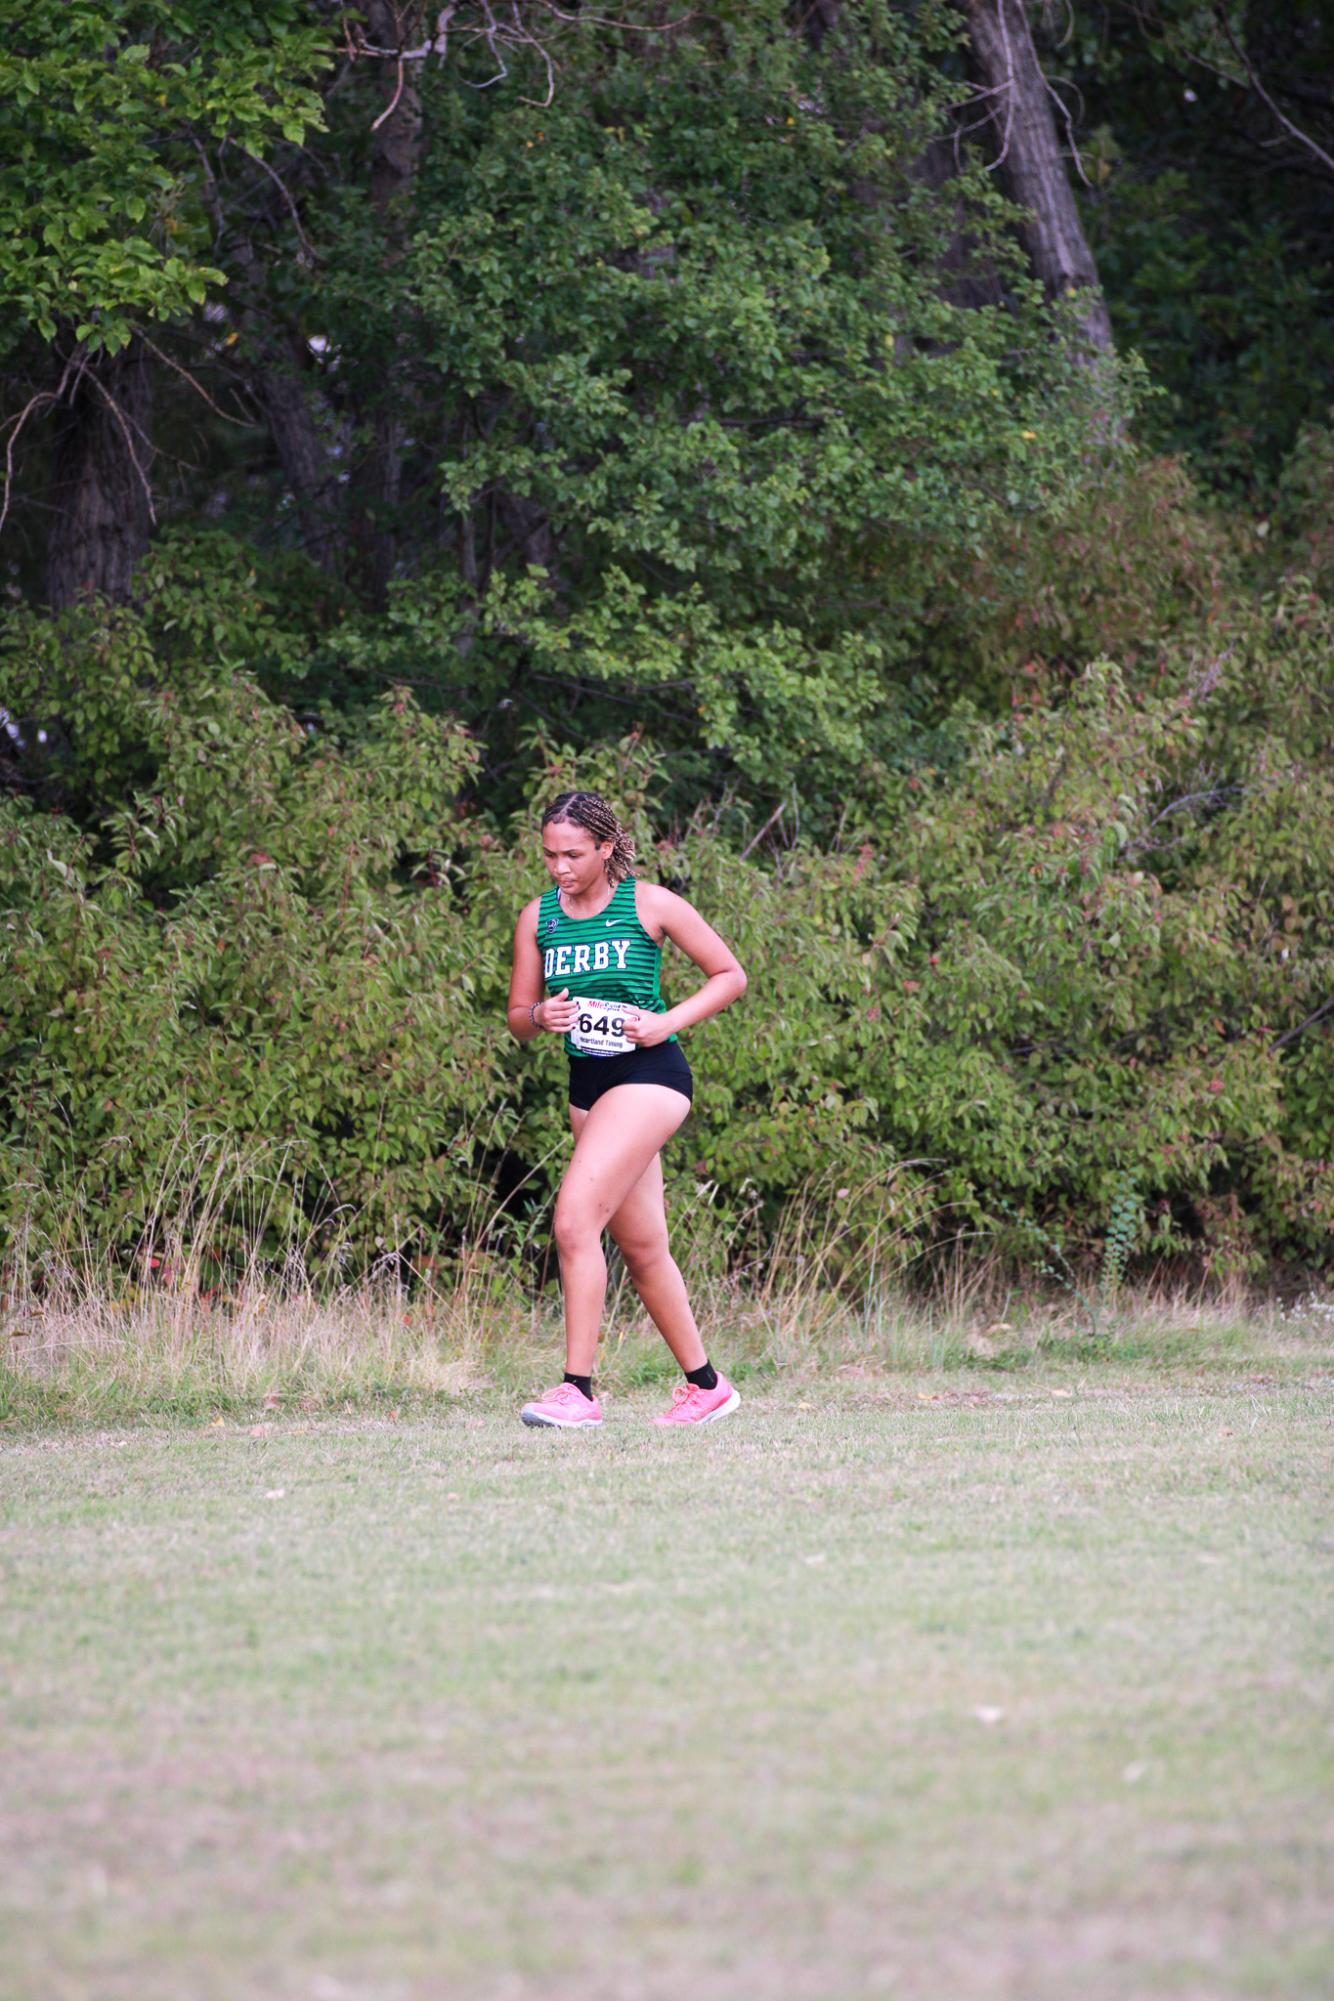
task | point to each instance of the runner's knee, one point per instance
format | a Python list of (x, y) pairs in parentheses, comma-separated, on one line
[(643, 1255), (574, 1231)]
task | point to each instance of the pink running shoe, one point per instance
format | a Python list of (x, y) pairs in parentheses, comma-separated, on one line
[(565, 1408), (692, 1405)]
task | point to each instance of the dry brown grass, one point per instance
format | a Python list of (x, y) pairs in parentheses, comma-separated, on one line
[(168, 1330), (82, 1352)]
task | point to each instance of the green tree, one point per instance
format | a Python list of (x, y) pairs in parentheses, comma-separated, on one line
[(1207, 144), (695, 426), (106, 107)]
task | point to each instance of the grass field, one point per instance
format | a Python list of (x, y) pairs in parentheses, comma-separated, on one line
[(928, 1686)]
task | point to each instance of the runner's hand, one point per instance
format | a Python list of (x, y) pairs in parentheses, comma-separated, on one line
[(557, 1013), (646, 1031)]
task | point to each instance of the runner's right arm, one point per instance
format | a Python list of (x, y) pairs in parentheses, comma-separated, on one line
[(528, 1013)]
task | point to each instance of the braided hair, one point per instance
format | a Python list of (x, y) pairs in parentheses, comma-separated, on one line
[(590, 811)]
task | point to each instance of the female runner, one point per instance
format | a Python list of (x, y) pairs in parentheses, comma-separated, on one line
[(594, 942)]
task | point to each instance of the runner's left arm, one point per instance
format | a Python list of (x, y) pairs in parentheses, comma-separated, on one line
[(724, 979)]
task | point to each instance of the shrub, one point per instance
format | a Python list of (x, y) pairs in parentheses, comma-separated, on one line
[(1092, 955)]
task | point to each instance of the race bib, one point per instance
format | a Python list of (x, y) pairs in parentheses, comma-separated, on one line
[(599, 1028)]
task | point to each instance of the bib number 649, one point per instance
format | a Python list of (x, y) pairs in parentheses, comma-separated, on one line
[(599, 1030)]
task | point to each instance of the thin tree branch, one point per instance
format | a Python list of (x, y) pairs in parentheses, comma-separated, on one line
[(1291, 1034), (500, 34), (1215, 796), (1067, 120), (198, 387), (257, 160), (124, 423), (1252, 75), (14, 425), (772, 820), (392, 105)]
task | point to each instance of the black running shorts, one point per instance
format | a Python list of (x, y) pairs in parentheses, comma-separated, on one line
[(592, 1076)]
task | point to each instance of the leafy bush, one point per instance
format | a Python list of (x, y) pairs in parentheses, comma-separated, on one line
[(1091, 955), (262, 946)]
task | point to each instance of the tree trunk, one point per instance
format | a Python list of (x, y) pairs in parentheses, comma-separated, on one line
[(390, 24), (1031, 164), (279, 373), (964, 281), (103, 463), (302, 452), (816, 18)]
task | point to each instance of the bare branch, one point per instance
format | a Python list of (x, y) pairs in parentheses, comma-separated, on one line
[(278, 181), (125, 426), (1252, 77), (503, 34), (1149, 20), (193, 381), (775, 816), (1006, 89), (392, 105), (15, 426), (608, 21), (1291, 1034), (1068, 121), (1215, 796)]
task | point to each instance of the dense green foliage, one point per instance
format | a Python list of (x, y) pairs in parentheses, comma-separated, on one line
[(699, 428), (1087, 953), (1211, 216), (104, 221), (684, 435)]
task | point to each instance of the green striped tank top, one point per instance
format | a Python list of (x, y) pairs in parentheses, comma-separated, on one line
[(609, 958)]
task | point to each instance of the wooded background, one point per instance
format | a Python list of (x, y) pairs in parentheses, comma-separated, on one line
[(886, 447)]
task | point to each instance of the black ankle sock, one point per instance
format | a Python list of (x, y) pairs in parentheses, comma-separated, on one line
[(584, 1383), (705, 1377)]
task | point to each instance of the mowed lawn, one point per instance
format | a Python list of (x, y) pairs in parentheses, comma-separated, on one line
[(914, 1690)]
